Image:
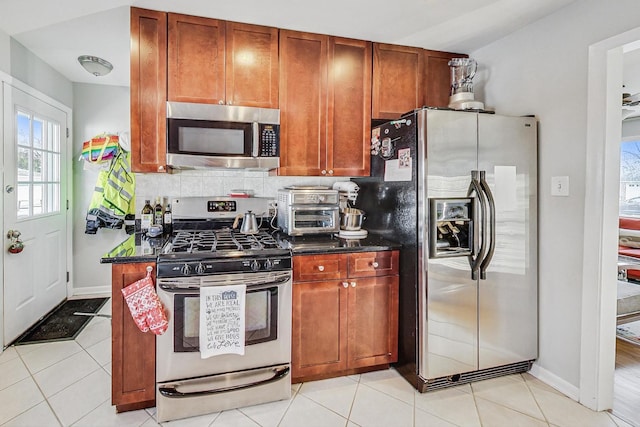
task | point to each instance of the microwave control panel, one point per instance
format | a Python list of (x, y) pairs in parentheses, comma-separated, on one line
[(269, 140)]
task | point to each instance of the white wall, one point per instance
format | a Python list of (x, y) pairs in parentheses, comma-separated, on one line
[(5, 52), (32, 70), (542, 69), (97, 109)]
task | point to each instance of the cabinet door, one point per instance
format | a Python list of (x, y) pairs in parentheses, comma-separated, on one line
[(196, 59), (348, 142), (252, 65), (367, 264), (437, 77), (148, 90), (318, 344), (373, 321), (397, 80), (303, 103), (133, 353)]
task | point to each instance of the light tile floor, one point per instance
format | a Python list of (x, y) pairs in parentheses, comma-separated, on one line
[(69, 384)]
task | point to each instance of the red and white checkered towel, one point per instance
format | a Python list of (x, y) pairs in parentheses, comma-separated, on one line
[(145, 306)]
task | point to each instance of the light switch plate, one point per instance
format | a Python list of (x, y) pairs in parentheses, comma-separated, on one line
[(560, 186)]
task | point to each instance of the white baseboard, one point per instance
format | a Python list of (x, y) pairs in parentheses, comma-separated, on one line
[(556, 382), (94, 291)]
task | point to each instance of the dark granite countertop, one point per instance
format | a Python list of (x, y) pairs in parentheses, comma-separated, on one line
[(140, 248), (322, 244), (136, 248)]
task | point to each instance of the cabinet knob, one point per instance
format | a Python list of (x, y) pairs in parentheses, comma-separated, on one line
[(160, 168), (330, 171), (229, 102), (323, 172), (321, 267), (221, 102), (345, 284), (374, 264), (353, 284)]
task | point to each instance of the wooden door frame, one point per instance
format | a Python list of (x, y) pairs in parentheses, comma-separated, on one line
[(67, 169)]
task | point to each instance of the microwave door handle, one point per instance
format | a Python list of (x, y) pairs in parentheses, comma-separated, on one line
[(256, 139)]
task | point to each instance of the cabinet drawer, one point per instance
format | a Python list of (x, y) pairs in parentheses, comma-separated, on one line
[(319, 267), (367, 264)]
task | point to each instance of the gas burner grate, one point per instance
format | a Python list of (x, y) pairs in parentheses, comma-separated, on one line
[(193, 241)]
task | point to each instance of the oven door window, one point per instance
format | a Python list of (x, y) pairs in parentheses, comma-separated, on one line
[(261, 319), (209, 138)]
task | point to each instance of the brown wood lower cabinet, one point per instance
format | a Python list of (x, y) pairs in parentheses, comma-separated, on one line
[(346, 324), (133, 352)]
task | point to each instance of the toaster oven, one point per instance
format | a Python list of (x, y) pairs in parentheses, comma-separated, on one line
[(308, 210)]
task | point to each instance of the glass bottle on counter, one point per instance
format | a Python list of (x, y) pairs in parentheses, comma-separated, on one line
[(146, 217), (168, 219), (158, 213)]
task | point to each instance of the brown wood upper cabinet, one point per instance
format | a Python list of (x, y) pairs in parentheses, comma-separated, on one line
[(148, 90), (397, 80), (437, 77), (219, 62), (406, 78), (325, 104)]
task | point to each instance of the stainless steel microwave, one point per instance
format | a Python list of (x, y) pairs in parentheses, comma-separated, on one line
[(222, 136)]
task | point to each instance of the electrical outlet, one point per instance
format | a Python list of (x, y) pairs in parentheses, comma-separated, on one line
[(560, 186)]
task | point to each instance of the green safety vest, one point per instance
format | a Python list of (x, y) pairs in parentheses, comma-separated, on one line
[(114, 192)]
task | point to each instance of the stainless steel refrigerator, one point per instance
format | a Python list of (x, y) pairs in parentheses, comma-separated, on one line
[(458, 190)]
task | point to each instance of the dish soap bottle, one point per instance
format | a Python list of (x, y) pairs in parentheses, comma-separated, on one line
[(146, 217)]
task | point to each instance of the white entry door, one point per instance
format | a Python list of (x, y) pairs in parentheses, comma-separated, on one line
[(35, 194)]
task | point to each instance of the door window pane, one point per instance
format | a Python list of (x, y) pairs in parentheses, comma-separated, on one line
[(38, 164)]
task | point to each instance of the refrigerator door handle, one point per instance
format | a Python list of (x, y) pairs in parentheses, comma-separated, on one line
[(492, 226), (474, 187)]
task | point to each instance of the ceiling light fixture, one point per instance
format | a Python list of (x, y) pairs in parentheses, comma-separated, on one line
[(94, 65)]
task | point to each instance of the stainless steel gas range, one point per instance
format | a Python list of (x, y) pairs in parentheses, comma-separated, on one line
[(205, 251)]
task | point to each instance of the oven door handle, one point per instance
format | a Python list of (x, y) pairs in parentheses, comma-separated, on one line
[(256, 285), (172, 285), (172, 391)]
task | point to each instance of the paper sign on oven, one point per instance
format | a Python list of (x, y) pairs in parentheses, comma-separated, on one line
[(222, 320)]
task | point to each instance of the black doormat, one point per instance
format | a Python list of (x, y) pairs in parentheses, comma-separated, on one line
[(61, 324)]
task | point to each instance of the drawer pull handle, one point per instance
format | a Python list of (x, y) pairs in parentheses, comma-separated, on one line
[(345, 284), (374, 264), (321, 267), (353, 284)]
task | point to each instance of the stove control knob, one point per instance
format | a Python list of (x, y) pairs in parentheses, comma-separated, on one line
[(200, 268), (185, 270), (255, 265), (268, 265)]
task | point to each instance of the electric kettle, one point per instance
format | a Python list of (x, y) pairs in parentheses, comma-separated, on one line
[(249, 223)]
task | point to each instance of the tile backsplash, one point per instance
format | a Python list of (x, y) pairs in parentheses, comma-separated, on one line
[(190, 183)]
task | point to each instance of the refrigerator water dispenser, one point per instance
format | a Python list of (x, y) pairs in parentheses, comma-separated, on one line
[(451, 227)]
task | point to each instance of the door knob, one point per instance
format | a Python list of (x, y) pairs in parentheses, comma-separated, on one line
[(16, 245)]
